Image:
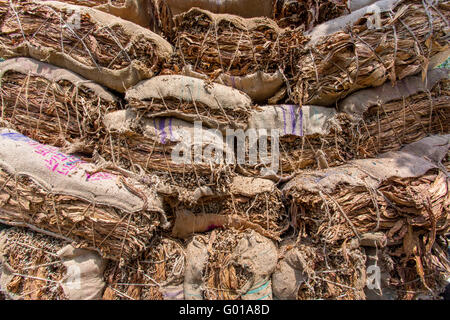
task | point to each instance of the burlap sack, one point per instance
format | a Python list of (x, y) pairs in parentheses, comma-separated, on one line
[(293, 120), (36, 68), (174, 144), (338, 24), (259, 86), (84, 273), (74, 186), (29, 266), (217, 100), (53, 105), (337, 61), (252, 252), (243, 8), (160, 129), (359, 102), (157, 274), (93, 64), (245, 203), (73, 274), (413, 160), (303, 272)]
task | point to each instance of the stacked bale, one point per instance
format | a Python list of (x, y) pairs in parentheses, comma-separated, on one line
[(157, 274), (229, 265), (248, 54), (53, 105), (98, 46), (39, 267), (31, 266), (369, 122), (64, 197), (404, 195), (142, 175), (398, 39)]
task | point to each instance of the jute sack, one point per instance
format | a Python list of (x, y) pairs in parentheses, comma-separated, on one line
[(303, 272), (305, 14), (191, 99), (146, 13), (243, 203), (243, 8), (101, 47), (162, 143), (84, 276), (157, 274), (53, 105), (335, 64), (44, 268), (216, 44), (296, 134), (259, 86), (359, 102), (65, 197), (367, 123), (402, 194), (250, 257), (31, 269)]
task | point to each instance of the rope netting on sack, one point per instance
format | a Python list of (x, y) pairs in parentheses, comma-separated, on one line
[(307, 13), (65, 197), (157, 274), (53, 105), (243, 203), (404, 195), (211, 150), (32, 270), (390, 44), (310, 270), (41, 267), (229, 265), (111, 51), (219, 43), (370, 122)]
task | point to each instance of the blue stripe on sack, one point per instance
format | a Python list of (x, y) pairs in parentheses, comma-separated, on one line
[(258, 289)]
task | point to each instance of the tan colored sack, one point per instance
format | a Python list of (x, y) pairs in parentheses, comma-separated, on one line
[(31, 268), (359, 102), (53, 105), (65, 197), (234, 46), (371, 122), (157, 274), (311, 271), (243, 203), (40, 267), (251, 259), (84, 273), (337, 64), (191, 99), (99, 46), (402, 194), (162, 143), (307, 13), (259, 86)]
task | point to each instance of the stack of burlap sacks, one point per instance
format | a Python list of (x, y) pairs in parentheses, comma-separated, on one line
[(106, 192)]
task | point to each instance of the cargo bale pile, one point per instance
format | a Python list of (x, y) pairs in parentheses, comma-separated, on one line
[(111, 51), (211, 150), (401, 39)]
